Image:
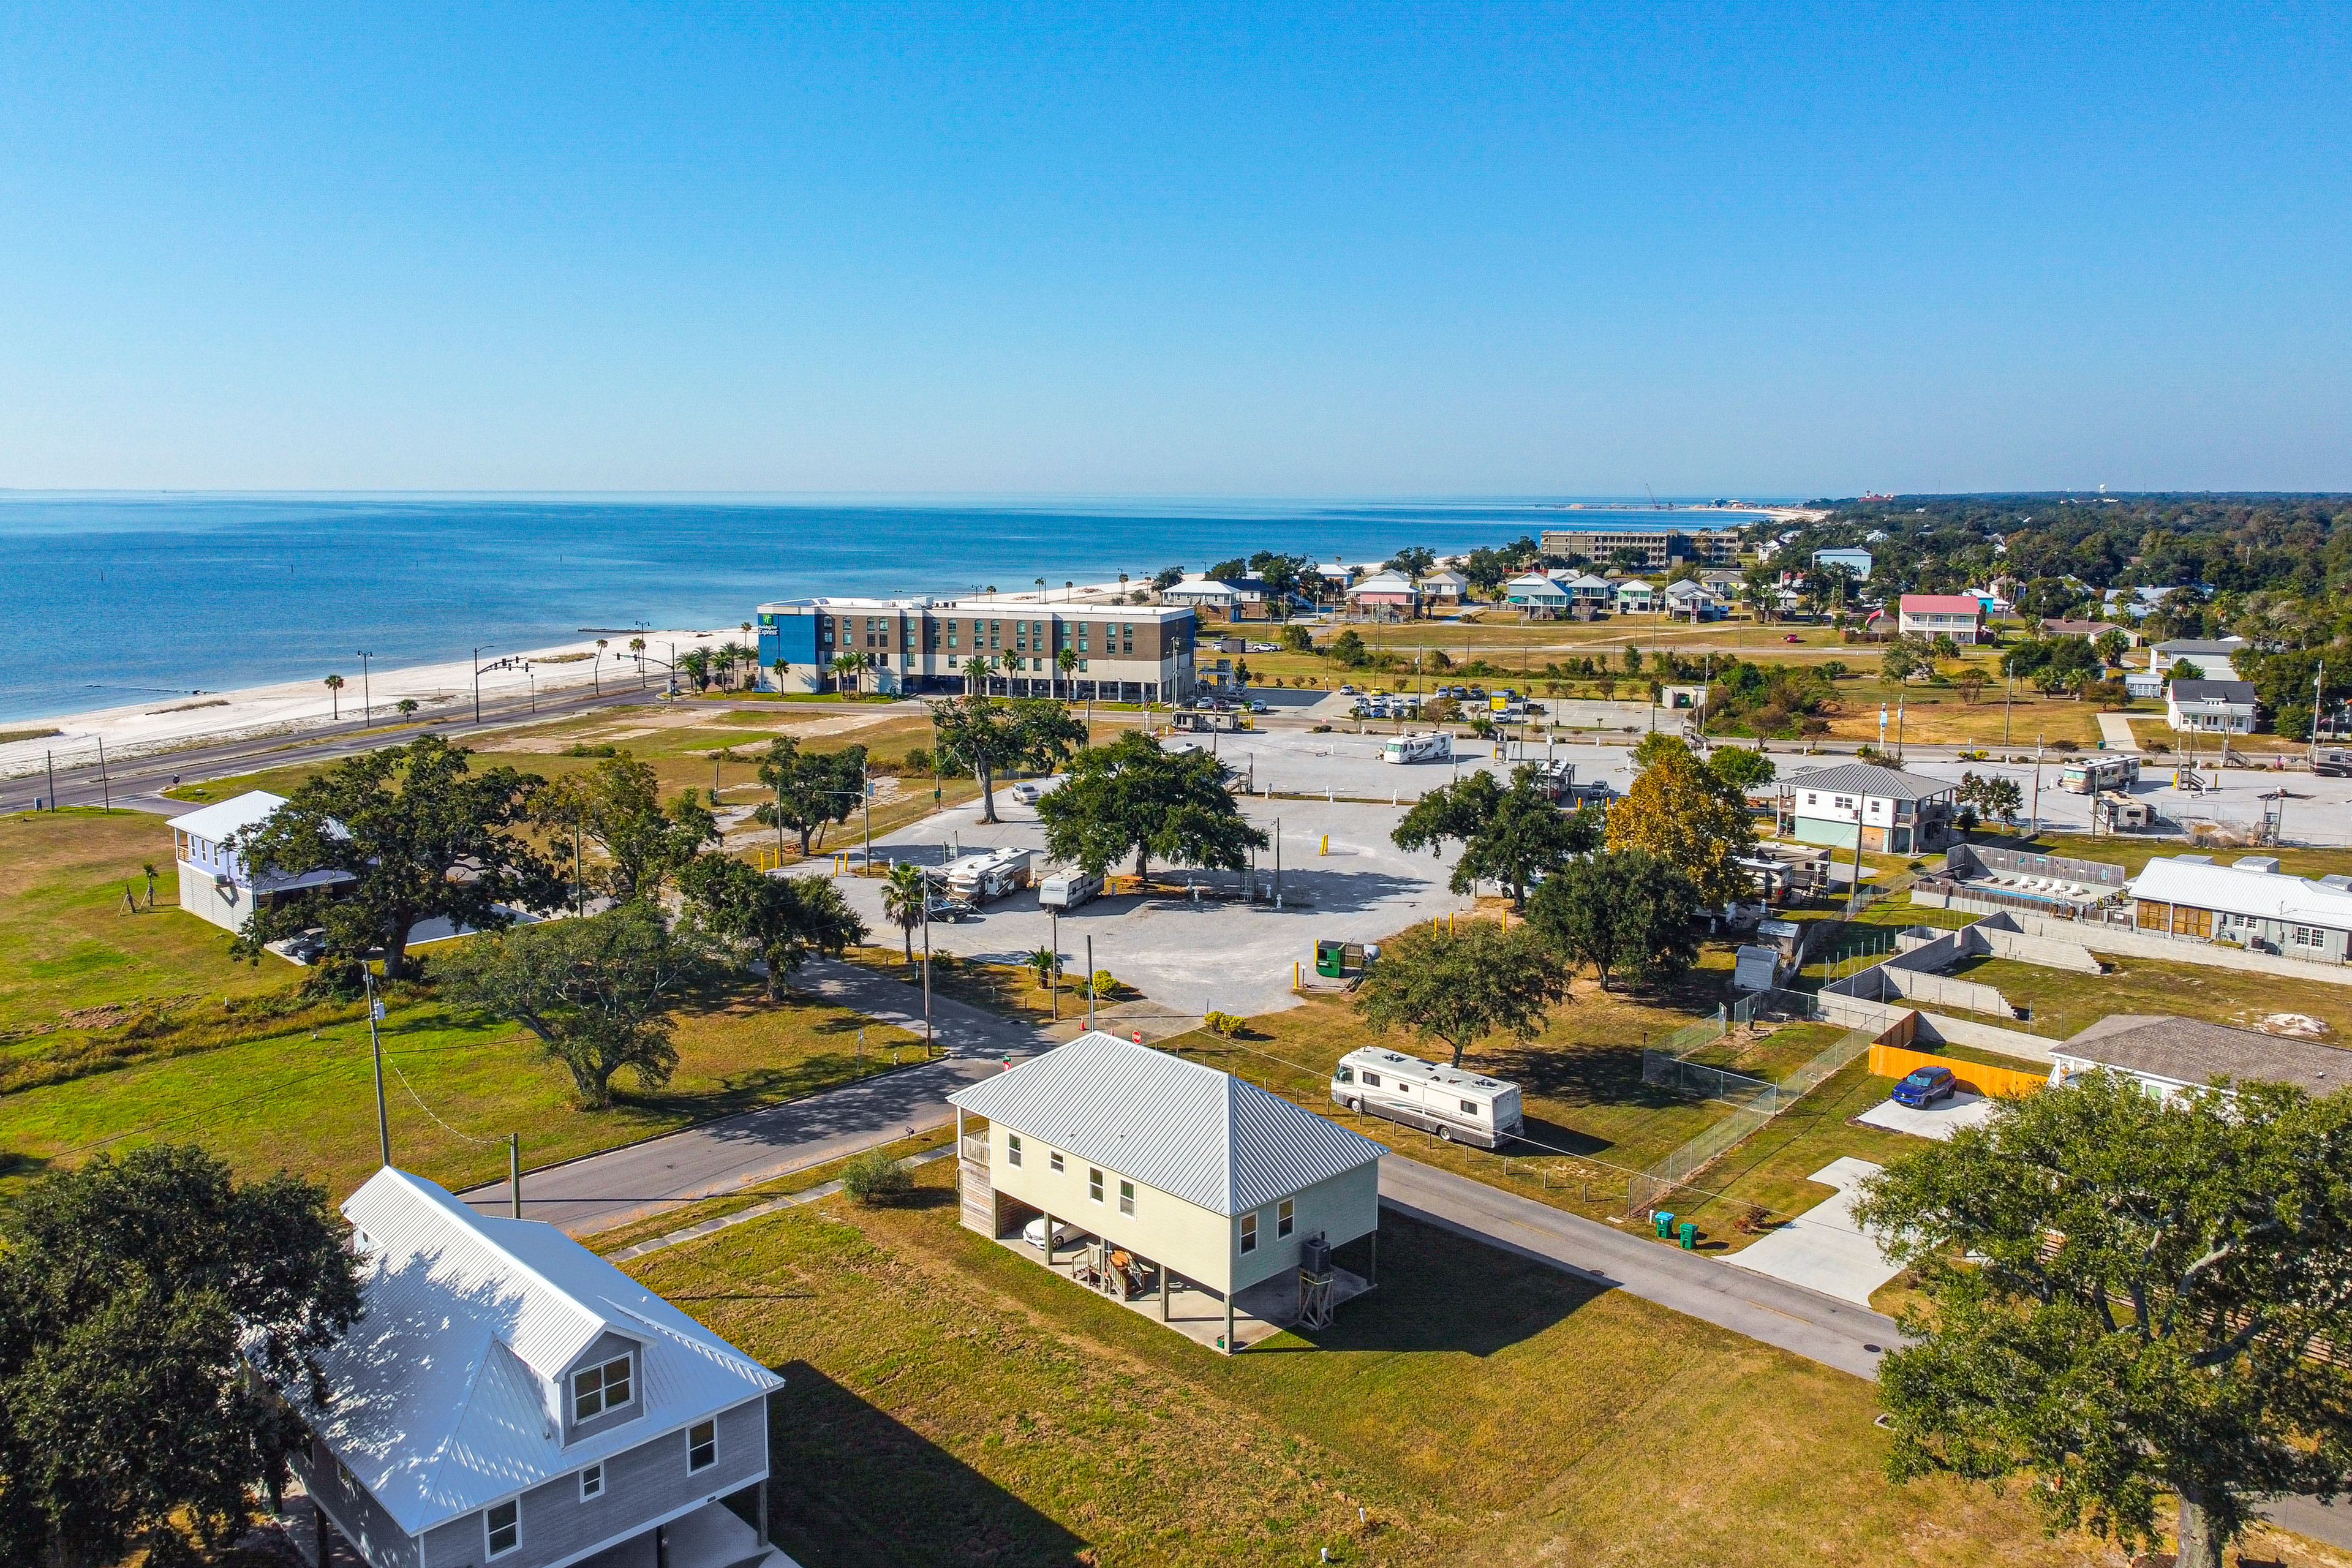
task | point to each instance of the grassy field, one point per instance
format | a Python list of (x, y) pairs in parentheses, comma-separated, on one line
[(2131, 854), (2064, 1002), (949, 1402), (207, 1049)]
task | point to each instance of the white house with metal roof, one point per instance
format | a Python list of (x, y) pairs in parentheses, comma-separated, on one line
[(1536, 593), (510, 1398), (215, 883), (2251, 902), (1154, 1178), (2211, 707), (1891, 811)]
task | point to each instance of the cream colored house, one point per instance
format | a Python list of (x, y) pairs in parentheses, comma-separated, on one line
[(1207, 1185)]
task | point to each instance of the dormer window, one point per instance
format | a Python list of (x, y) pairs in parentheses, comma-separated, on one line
[(598, 1389)]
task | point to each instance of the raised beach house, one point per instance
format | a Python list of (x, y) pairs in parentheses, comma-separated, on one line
[(216, 882), (1959, 616), (1890, 811), (511, 1400)]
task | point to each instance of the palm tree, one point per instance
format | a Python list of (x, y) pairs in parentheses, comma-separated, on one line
[(405, 706), (904, 897), (1041, 590), (779, 667), (1068, 660), (335, 694), (845, 672), (599, 667), (975, 675)]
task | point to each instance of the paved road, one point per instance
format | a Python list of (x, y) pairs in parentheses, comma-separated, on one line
[(1820, 1328), (612, 1188)]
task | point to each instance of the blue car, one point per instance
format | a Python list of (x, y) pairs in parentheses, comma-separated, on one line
[(1925, 1086)]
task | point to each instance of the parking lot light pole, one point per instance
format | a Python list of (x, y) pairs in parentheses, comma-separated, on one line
[(367, 703)]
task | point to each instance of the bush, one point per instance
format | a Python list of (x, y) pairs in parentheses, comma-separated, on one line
[(1223, 1024), (873, 1177), (1106, 984)]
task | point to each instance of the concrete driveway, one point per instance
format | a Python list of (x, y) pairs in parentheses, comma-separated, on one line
[(1823, 1249)]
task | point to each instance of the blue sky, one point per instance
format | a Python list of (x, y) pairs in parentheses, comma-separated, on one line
[(1280, 250)]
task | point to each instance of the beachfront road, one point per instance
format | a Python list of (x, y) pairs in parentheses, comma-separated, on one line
[(138, 781)]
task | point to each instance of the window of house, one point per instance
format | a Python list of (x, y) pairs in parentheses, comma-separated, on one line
[(1842, 803), (701, 1446), (1094, 1184), (1126, 1197), (1285, 1217), (1813, 799), (592, 1483), (504, 1525), (1249, 1233), (597, 1389), (1012, 1149)]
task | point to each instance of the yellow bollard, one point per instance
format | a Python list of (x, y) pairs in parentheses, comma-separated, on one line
[(1506, 918), (1327, 846), (1297, 975), (1449, 923)]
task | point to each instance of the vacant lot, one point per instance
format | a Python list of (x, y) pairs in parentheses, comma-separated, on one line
[(947, 1401), (2064, 1003)]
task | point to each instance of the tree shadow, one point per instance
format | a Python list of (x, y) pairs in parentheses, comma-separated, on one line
[(854, 1487)]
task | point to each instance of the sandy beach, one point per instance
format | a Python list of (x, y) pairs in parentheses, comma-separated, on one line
[(166, 721)]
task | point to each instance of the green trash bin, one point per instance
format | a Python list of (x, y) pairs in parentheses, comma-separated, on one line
[(1688, 1233), (1665, 1223), (1330, 959)]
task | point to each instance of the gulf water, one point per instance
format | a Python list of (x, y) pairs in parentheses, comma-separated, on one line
[(107, 599)]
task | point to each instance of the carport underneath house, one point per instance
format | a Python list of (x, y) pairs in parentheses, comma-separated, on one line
[(1171, 1180)]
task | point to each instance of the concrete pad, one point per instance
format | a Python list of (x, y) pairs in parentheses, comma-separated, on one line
[(1823, 1249), (1938, 1121)]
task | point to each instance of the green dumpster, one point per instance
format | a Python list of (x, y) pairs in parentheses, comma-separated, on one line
[(1331, 958)]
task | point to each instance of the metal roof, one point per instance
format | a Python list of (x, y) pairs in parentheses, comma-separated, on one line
[(2189, 1051), (2212, 691), (1941, 605), (1204, 1136), (1870, 780), (217, 821), (446, 1393), (2272, 895)]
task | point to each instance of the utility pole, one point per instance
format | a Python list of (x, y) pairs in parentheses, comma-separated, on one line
[(514, 1172), (478, 681), (52, 758), (2035, 815), (375, 1046), (367, 702), (2007, 697), (105, 789), (2316, 709), (928, 1051), (1054, 985), (1090, 985)]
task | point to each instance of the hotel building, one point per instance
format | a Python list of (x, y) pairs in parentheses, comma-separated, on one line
[(1125, 653)]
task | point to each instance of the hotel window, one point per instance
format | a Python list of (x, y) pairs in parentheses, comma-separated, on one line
[(1012, 1149), (1126, 1197), (1249, 1233), (1286, 1217), (599, 1389), (592, 1483), (1082, 664), (1094, 1184), (701, 1446), (504, 1525), (1053, 1158)]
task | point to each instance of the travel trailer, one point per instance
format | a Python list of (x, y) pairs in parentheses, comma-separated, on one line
[(1066, 891), (1449, 1101), (989, 874), (1436, 746), (2094, 775)]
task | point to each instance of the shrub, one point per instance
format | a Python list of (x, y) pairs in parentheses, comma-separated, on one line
[(583, 749), (1106, 984), (1223, 1024), (873, 1177)]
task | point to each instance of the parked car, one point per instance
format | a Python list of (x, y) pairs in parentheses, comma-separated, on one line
[(1346, 690), (953, 910), (1034, 1233), (1025, 792), (1792, 638), (1257, 707), (1926, 1086)]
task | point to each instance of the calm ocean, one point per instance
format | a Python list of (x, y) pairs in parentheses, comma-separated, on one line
[(106, 598)]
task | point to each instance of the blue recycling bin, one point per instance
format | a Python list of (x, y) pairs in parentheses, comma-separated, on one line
[(1665, 1223)]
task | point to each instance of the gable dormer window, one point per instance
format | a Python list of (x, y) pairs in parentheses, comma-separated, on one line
[(598, 1389)]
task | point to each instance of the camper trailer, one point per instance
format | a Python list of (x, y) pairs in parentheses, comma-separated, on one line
[(1448, 1101), (989, 874), (2094, 775), (1436, 746), (1066, 891)]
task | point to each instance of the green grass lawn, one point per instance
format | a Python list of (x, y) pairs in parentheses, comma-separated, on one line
[(2131, 854), (947, 1401), (2064, 1002), (1769, 1170)]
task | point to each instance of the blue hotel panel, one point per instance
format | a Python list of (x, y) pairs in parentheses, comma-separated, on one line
[(793, 639)]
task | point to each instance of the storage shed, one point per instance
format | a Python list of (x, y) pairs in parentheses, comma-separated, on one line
[(1177, 1189)]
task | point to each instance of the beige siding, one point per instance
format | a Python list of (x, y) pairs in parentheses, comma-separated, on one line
[(1342, 1207)]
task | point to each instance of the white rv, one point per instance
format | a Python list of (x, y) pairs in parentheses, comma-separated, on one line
[(989, 874), (1445, 1101), (1436, 746), (1066, 891)]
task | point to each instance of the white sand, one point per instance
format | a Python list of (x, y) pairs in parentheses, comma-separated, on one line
[(165, 722)]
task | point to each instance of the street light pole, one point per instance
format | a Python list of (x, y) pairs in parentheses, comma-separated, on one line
[(478, 680), (375, 1045), (367, 702)]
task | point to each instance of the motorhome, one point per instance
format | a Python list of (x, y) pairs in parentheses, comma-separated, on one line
[(2094, 776), (1066, 891), (989, 874), (1449, 1101), (1436, 746)]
